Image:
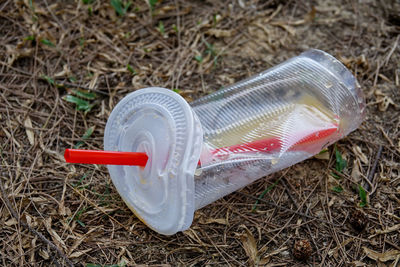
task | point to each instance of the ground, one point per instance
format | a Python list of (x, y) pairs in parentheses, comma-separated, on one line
[(54, 213)]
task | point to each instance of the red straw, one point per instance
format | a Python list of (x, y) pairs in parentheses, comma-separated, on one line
[(140, 159), (274, 144), (105, 157)]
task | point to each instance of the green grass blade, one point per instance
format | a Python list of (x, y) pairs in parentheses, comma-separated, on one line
[(341, 163), (47, 42), (161, 27), (127, 6), (80, 103), (49, 79), (86, 136), (131, 69), (152, 4), (337, 189), (117, 5), (198, 58), (84, 94), (88, 2), (363, 196), (269, 188)]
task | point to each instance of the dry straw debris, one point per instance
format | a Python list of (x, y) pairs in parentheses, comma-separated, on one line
[(65, 64)]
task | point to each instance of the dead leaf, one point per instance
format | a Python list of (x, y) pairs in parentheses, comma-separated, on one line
[(285, 26), (225, 79), (79, 253), (335, 251), (358, 61), (323, 155), (382, 174), (56, 238), (165, 9), (267, 257), (18, 172), (15, 53), (28, 219), (193, 235), (384, 104), (107, 57), (33, 245), (358, 264), (214, 220), (65, 72), (39, 200), (383, 257), (11, 222), (355, 172), (389, 229), (250, 246), (383, 100), (358, 152), (29, 132), (93, 82), (61, 207), (44, 254), (332, 201), (220, 33), (55, 154)]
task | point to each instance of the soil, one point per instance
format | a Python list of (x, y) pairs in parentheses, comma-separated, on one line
[(54, 213)]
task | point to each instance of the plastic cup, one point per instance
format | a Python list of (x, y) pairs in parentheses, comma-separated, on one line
[(202, 151)]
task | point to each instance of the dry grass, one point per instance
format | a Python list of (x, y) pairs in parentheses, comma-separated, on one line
[(53, 213)]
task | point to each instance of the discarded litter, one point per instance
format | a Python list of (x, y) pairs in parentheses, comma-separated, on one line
[(193, 154)]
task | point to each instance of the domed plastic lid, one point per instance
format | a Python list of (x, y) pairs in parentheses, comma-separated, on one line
[(160, 123)]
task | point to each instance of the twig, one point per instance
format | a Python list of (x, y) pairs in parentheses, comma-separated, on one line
[(288, 210), (269, 188), (101, 210), (373, 169), (387, 59), (64, 84), (393, 245), (291, 218), (285, 184), (386, 136), (38, 234), (377, 73)]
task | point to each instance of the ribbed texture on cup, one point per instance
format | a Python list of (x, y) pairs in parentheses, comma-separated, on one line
[(306, 94)]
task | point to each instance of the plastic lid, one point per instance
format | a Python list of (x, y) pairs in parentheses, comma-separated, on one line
[(160, 123)]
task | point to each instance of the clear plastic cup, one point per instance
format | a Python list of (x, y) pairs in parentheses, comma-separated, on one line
[(202, 151)]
